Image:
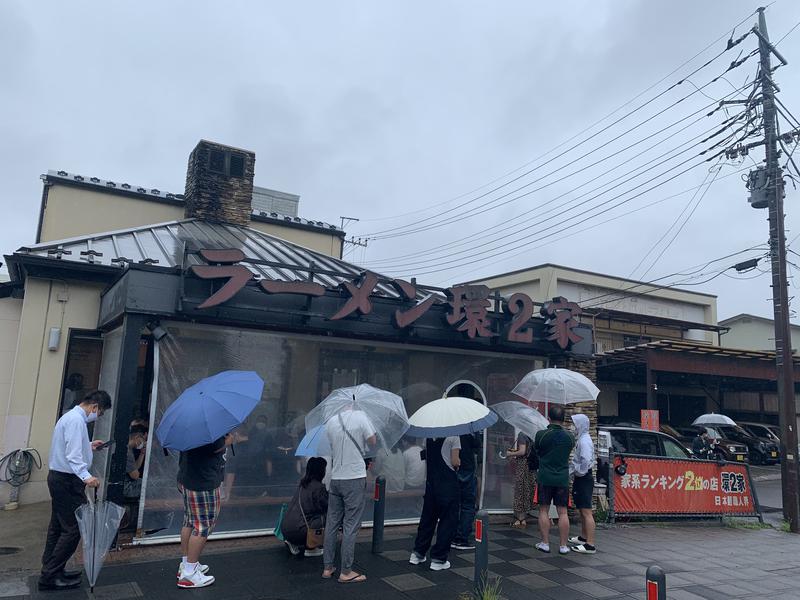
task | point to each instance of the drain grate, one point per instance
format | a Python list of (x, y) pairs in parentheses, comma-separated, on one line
[(6, 550)]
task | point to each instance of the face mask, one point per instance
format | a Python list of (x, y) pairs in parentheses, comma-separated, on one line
[(91, 418), (140, 445)]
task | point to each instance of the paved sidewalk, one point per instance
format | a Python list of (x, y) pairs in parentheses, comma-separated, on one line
[(708, 562)]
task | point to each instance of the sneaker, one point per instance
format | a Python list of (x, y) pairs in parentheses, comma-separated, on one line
[(203, 569), (311, 552), (195, 579), (462, 546), (563, 550), (542, 547), (295, 550), (577, 540), (416, 559), (585, 549), (439, 565)]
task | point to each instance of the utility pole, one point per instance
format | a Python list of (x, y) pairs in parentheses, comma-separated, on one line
[(784, 360)]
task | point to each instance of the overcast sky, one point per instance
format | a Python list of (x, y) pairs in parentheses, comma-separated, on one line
[(372, 110)]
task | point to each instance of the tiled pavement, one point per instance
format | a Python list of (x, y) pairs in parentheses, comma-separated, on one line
[(708, 562)]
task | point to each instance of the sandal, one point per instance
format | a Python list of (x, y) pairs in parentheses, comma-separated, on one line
[(519, 524), (328, 573), (353, 578)]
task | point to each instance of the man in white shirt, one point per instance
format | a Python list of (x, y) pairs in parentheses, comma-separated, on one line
[(351, 435), (70, 460)]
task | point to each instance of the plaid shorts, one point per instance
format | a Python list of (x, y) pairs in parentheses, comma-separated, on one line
[(200, 511)]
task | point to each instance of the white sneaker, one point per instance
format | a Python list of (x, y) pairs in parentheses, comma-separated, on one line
[(576, 540), (584, 549), (542, 547), (563, 550), (195, 579), (203, 569), (416, 559), (439, 565), (313, 552)]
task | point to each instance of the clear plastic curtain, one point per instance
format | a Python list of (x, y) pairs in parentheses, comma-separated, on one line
[(299, 372)]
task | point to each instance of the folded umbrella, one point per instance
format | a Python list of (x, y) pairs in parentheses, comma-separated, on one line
[(98, 522), (210, 409), (521, 416), (385, 411), (450, 416), (713, 419)]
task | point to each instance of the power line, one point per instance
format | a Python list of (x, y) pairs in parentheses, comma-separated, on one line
[(524, 229), (733, 65), (457, 277), (471, 239), (587, 129)]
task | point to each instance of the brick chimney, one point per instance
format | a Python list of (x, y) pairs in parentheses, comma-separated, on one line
[(219, 183)]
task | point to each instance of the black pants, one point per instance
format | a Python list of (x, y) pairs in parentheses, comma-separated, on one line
[(467, 492), (63, 535), (440, 507)]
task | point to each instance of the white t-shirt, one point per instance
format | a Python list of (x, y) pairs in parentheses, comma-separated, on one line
[(450, 443), (415, 467), (347, 461)]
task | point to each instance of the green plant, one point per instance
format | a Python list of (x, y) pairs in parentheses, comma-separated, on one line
[(743, 524), (785, 527), (490, 590)]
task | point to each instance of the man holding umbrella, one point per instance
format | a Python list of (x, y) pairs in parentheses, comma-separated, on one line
[(70, 461)]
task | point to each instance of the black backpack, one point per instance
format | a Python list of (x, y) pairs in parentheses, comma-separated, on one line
[(533, 455)]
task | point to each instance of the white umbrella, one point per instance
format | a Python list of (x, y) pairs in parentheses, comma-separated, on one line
[(556, 386), (713, 419), (450, 416), (528, 420)]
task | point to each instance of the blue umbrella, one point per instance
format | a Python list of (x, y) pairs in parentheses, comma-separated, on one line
[(314, 443), (209, 409)]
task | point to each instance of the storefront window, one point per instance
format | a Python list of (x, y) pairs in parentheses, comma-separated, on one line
[(299, 371), (82, 372)]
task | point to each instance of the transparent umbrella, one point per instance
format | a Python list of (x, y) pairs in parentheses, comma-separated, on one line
[(98, 522), (521, 416), (713, 419), (556, 386), (385, 411)]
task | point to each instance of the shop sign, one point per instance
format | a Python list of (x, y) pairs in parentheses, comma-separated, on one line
[(468, 305), (652, 486), (650, 420)]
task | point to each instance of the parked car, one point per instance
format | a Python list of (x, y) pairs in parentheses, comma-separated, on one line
[(633, 440), (762, 452), (763, 432), (730, 450)]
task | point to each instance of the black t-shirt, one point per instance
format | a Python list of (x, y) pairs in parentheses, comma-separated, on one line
[(201, 469)]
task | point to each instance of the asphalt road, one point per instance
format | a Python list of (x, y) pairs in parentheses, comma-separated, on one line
[(767, 483)]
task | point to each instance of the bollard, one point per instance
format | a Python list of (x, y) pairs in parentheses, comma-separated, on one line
[(379, 514), (656, 584), (481, 550)]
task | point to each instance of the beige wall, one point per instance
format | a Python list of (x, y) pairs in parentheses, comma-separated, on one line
[(545, 283), (10, 314), (38, 372), (75, 212), (755, 334)]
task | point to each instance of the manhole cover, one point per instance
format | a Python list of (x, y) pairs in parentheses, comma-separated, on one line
[(6, 550)]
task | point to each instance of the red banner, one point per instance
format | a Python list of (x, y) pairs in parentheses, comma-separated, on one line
[(650, 420), (674, 486)]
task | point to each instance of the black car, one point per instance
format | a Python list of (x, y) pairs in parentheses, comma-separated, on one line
[(762, 452), (632, 440), (727, 449)]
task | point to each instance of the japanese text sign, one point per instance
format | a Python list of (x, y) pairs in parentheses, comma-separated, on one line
[(675, 486), (650, 420)]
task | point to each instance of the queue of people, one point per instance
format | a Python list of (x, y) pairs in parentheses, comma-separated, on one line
[(321, 519)]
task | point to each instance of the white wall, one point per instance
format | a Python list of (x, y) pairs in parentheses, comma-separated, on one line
[(10, 314)]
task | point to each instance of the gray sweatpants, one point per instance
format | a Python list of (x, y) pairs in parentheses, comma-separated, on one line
[(345, 505)]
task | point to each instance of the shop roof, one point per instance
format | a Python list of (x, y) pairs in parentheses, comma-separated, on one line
[(163, 245), (639, 353), (156, 195)]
